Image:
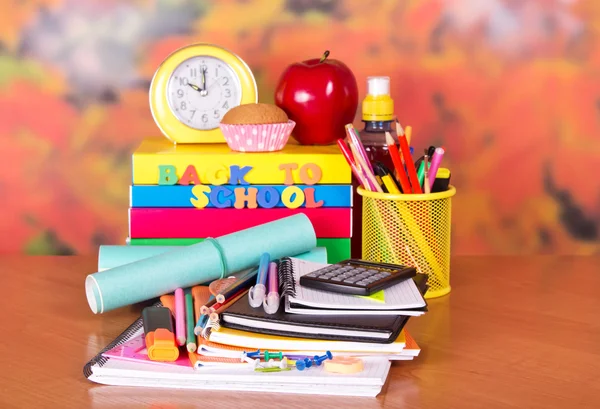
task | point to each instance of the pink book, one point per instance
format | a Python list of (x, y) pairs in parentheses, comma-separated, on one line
[(331, 222)]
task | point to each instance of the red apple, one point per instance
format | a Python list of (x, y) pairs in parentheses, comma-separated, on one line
[(321, 96)]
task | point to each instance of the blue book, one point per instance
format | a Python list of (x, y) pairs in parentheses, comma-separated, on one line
[(181, 195)]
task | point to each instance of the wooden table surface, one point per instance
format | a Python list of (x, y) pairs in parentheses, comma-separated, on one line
[(513, 333)]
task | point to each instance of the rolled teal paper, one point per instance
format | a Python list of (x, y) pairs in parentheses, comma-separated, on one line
[(281, 238), (199, 263), (115, 256), (316, 255)]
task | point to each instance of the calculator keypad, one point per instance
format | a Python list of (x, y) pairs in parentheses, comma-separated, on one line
[(356, 276)]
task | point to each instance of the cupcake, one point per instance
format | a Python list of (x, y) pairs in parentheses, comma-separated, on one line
[(256, 128)]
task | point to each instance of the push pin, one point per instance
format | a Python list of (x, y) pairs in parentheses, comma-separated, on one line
[(255, 354), (269, 355), (300, 365), (318, 359), (277, 364), (307, 363)]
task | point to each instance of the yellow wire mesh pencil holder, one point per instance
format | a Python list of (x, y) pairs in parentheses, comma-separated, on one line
[(411, 230)]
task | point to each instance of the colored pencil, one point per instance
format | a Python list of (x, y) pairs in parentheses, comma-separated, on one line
[(365, 169), (189, 312), (354, 138), (215, 314), (402, 178), (180, 317), (244, 281), (218, 305), (410, 165), (355, 170), (205, 308)]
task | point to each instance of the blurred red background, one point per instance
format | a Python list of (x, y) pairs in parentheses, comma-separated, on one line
[(511, 89)]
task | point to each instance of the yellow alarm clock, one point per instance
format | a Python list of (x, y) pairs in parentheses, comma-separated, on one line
[(194, 87)]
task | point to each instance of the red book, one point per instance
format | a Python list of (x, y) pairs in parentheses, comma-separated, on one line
[(169, 222)]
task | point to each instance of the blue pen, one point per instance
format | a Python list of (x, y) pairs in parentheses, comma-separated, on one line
[(257, 293)]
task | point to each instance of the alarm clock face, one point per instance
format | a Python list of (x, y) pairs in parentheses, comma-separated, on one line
[(201, 90)]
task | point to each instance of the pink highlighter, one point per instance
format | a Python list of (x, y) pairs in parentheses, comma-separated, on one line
[(180, 333), (271, 301), (436, 159)]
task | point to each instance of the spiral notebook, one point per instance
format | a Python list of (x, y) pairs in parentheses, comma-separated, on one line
[(403, 298), (110, 371), (368, 326)]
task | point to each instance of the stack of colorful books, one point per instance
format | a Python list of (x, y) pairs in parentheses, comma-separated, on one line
[(182, 194)]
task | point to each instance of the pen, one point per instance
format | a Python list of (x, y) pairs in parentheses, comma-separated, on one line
[(393, 149), (410, 166), (180, 317), (357, 173), (435, 164), (271, 303), (426, 186), (421, 172), (257, 292), (386, 178)]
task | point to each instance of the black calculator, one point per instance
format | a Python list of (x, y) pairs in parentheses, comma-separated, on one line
[(357, 277)]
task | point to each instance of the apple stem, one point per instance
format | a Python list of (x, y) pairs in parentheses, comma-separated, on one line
[(325, 55)]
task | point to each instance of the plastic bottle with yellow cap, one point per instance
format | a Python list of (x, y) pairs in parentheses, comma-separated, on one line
[(378, 117)]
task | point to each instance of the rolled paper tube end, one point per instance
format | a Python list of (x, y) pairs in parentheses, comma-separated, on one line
[(271, 303), (256, 295), (93, 294)]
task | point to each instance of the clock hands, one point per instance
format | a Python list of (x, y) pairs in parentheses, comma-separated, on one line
[(203, 91), (203, 82), (194, 87)]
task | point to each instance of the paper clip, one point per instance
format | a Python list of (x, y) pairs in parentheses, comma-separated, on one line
[(272, 369)]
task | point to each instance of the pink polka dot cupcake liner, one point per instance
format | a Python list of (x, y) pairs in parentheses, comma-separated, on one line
[(257, 138)]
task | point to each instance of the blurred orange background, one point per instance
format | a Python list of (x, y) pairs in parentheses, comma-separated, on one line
[(511, 89)]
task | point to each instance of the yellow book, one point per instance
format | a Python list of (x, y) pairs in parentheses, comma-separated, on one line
[(157, 158), (254, 340)]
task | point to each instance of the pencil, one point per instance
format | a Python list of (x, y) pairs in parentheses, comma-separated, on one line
[(180, 316), (189, 315), (353, 136), (215, 314), (410, 166), (355, 170), (393, 149), (206, 307), (365, 169), (244, 281)]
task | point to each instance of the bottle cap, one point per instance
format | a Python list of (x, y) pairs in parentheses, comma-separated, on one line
[(378, 86), (378, 105)]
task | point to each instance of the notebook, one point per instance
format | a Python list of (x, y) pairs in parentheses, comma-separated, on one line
[(254, 340), (356, 328), (111, 371), (403, 298)]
